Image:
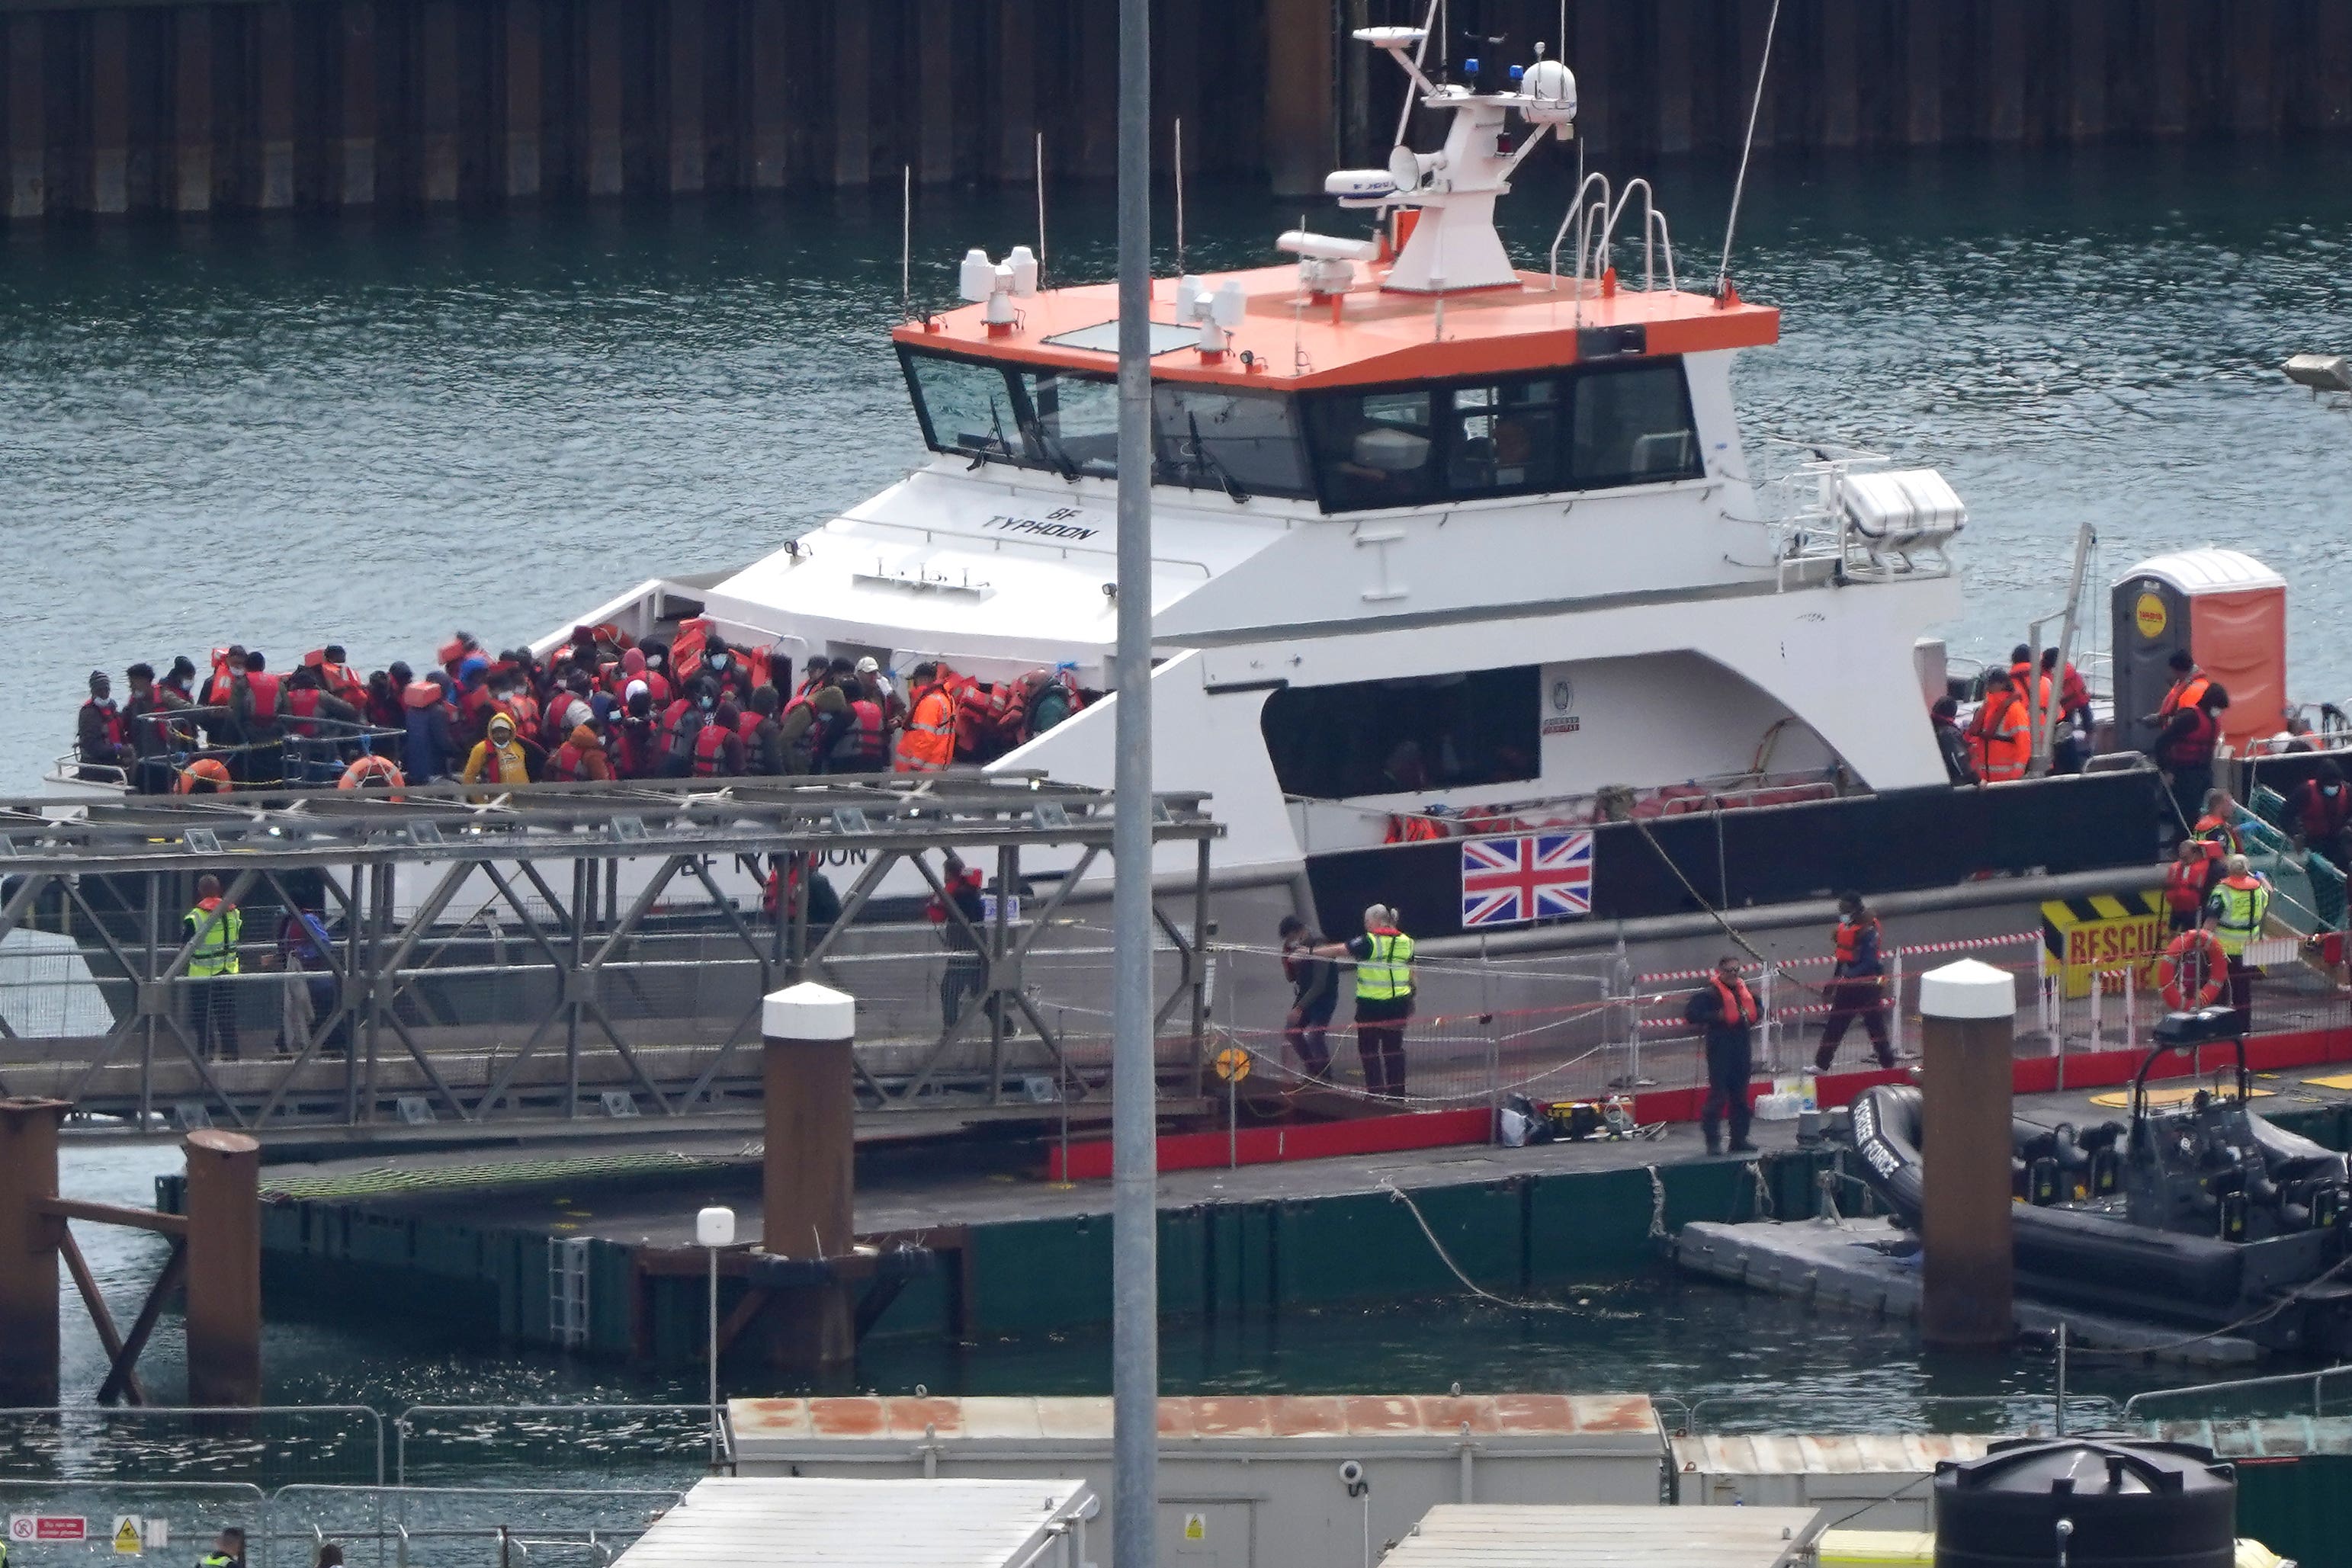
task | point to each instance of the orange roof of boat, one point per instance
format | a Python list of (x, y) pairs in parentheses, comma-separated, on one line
[(1366, 337)]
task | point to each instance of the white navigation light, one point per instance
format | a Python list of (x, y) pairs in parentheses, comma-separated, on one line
[(1550, 90), (1326, 247), (977, 280), (1000, 299), (1359, 184), (1023, 263)]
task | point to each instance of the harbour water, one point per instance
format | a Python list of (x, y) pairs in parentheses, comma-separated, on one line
[(293, 431), (300, 430)]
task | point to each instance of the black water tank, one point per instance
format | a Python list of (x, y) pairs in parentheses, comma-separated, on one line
[(2147, 1505)]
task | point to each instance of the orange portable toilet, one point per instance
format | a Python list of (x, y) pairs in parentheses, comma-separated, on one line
[(2228, 611)]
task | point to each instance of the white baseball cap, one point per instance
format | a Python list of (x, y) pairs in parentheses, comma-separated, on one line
[(868, 665)]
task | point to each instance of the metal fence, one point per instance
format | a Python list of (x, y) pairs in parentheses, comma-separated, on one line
[(428, 1438), (269, 1446)]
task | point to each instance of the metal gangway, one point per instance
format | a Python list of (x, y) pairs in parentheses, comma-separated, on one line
[(561, 952)]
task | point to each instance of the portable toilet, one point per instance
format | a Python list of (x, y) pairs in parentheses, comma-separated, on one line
[(2228, 611)]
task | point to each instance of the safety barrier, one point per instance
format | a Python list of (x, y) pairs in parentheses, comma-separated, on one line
[(268, 1445), (668, 1430), (2309, 1392), (430, 1527), (2005, 1414)]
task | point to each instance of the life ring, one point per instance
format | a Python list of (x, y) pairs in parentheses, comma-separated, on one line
[(209, 770), (372, 772), (2174, 961)]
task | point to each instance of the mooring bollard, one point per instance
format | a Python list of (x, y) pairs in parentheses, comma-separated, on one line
[(223, 1268), (28, 1252), (808, 1169), (1968, 1036)]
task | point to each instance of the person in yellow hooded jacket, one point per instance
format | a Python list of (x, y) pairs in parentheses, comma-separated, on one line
[(498, 757)]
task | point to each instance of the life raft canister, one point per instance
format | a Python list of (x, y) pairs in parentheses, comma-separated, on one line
[(2173, 969)]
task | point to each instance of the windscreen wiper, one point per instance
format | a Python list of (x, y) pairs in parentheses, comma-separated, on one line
[(1204, 458), (980, 454), (1035, 431)]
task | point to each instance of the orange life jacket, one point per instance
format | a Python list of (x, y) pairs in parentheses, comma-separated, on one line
[(861, 748), (2189, 691), (1849, 938), (1738, 1002), (112, 717), (2006, 742), (929, 742), (1410, 828), (2184, 884), (710, 749)]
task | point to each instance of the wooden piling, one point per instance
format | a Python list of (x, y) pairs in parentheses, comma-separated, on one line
[(1300, 115), (192, 108), (352, 179), (1016, 65), (2086, 60), (27, 118), (525, 99), (2250, 67), (28, 1252), (2001, 71), (688, 141), (853, 94), (223, 1201), (602, 51), (1922, 119), (438, 87), (807, 1170), (271, 178), (1968, 1027), (935, 58), (110, 111), (1673, 65), (1840, 93), (768, 91)]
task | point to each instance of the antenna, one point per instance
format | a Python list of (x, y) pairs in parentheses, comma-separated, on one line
[(1739, 185), (1180, 195), (906, 240), (1041, 206)]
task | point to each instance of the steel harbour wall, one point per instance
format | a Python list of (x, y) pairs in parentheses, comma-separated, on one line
[(162, 106)]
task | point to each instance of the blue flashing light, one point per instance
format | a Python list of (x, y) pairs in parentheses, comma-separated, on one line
[(1470, 66), (1518, 71)]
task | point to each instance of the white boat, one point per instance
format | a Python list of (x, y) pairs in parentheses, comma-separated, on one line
[(1435, 535)]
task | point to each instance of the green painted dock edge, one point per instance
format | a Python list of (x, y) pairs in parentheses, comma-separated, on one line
[(1525, 1235)]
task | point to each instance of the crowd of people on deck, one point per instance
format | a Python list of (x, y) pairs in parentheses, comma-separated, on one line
[(599, 706)]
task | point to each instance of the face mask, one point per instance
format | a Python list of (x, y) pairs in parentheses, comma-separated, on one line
[(707, 705), (718, 661)]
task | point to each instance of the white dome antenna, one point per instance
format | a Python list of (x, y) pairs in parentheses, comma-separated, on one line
[(976, 280)]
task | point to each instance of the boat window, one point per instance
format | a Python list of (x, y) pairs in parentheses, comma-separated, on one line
[(1633, 427), (1406, 736), (964, 405), (1504, 438), (1070, 421), (1375, 449), (1583, 430), (1208, 437)]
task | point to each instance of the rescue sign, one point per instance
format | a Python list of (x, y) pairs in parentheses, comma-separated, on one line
[(25, 1527), (2104, 934)]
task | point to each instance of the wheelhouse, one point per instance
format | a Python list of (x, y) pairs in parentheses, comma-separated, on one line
[(1350, 449)]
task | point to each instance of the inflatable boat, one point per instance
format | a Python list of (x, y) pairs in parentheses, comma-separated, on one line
[(2201, 1213)]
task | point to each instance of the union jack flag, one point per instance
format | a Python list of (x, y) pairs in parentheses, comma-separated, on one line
[(1511, 882)]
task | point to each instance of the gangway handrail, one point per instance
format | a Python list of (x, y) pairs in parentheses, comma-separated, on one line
[(2274, 1380)]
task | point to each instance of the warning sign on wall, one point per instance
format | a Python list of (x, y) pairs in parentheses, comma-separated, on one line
[(2103, 935)]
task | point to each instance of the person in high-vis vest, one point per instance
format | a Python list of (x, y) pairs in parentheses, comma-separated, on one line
[(229, 1547), (1726, 1008), (2234, 914), (214, 928), (1383, 962), (928, 743)]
